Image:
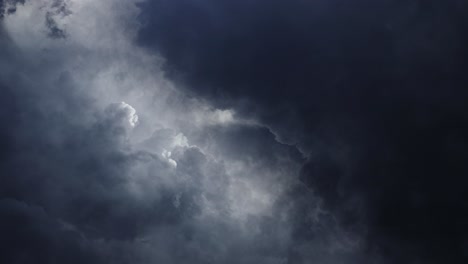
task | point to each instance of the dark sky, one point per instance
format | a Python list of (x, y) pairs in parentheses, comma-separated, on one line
[(222, 131)]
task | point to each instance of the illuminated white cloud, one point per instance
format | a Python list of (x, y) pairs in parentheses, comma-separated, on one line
[(130, 113), (122, 115)]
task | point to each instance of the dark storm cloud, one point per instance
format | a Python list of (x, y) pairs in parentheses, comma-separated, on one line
[(65, 168), (59, 8), (76, 189), (29, 235), (64, 185), (250, 143), (373, 91), (75, 170), (9, 6)]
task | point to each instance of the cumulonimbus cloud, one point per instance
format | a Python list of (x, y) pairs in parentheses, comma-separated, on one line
[(150, 132), (107, 155)]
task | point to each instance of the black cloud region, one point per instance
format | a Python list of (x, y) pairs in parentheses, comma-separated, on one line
[(374, 92)]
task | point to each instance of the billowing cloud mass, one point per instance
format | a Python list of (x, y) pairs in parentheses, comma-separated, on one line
[(183, 131)]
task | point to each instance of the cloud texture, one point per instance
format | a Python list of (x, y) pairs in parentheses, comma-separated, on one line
[(233, 131)]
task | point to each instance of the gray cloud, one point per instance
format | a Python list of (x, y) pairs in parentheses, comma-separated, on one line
[(152, 133), (103, 160), (371, 92), (31, 235)]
